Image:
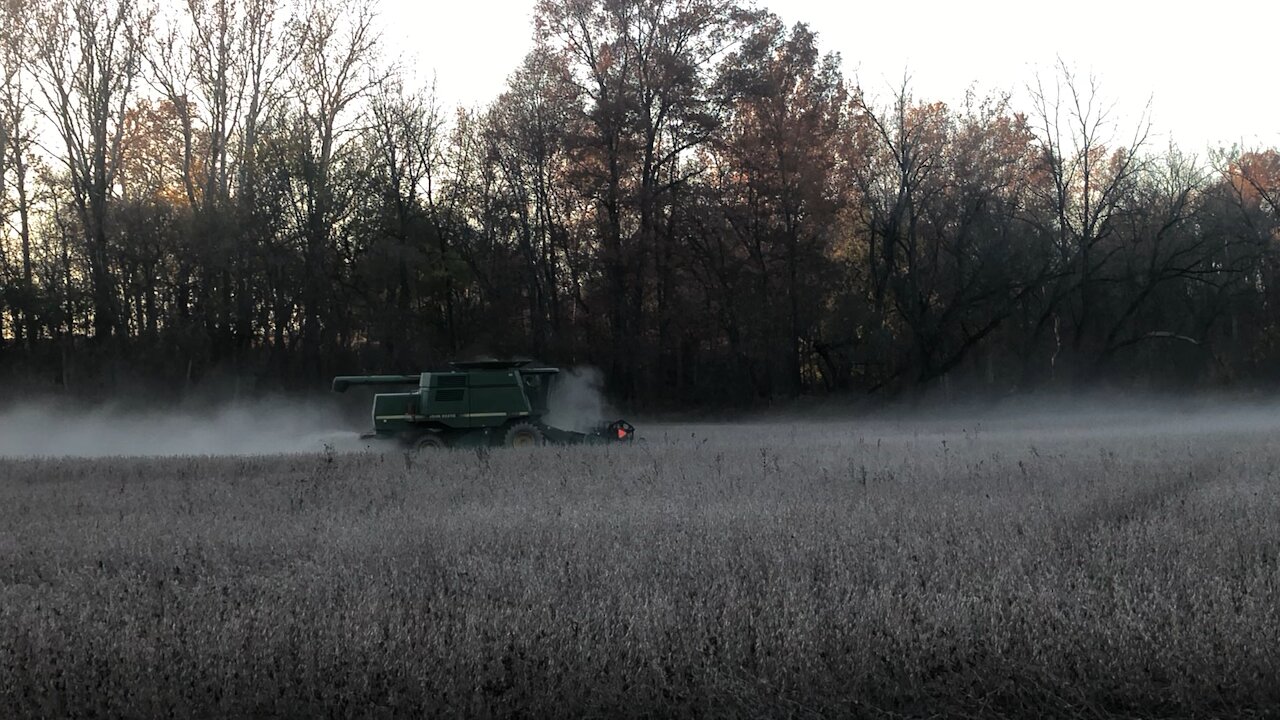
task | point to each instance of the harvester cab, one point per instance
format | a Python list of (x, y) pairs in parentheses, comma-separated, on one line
[(480, 403)]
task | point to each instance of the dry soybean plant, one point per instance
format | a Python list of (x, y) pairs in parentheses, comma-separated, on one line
[(850, 570)]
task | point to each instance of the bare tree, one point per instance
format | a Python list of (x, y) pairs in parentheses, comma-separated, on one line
[(400, 256), (335, 68), (937, 193), (1160, 248), (1084, 178), (267, 58), (219, 62), (17, 141), (526, 133), (88, 58)]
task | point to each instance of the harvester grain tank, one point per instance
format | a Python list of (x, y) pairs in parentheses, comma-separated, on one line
[(480, 403)]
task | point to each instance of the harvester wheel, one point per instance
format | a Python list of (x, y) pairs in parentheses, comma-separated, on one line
[(430, 441), (524, 435)]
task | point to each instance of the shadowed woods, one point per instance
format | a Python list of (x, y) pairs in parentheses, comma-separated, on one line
[(690, 195)]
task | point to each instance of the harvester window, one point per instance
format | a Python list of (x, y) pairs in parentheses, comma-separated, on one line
[(449, 395)]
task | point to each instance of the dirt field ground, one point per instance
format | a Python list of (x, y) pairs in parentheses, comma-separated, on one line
[(1073, 567)]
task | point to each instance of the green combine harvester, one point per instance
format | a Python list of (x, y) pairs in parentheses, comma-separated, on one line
[(481, 403)]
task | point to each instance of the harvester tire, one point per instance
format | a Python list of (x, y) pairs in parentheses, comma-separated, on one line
[(429, 442), (524, 435)]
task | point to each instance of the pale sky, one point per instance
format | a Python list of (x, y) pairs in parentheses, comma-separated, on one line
[(1210, 69)]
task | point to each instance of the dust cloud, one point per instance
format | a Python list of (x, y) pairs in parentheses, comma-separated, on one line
[(260, 428), (576, 401), (1112, 421)]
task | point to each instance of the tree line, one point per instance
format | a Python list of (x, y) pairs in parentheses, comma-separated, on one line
[(687, 194)]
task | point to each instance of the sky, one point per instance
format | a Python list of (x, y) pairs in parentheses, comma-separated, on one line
[(1207, 69)]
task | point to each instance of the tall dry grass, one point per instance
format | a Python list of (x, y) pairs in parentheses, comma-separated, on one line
[(766, 570)]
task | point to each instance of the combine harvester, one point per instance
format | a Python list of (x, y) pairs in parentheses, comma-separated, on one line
[(481, 403)]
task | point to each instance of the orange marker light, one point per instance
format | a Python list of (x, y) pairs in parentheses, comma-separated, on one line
[(621, 433)]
